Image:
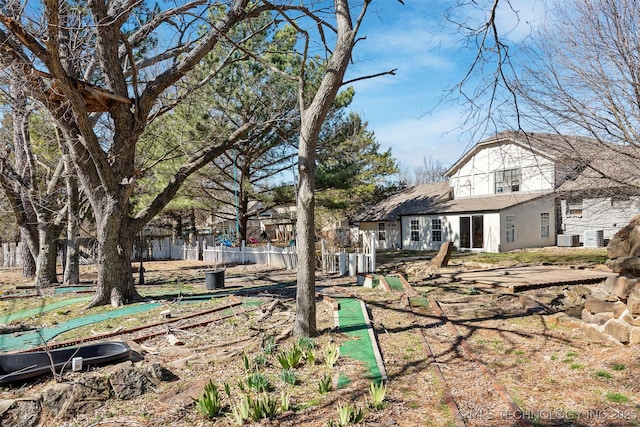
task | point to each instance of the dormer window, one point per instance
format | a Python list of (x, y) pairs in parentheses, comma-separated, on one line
[(508, 181)]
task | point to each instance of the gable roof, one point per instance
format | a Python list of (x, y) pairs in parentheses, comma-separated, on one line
[(412, 200), (567, 150)]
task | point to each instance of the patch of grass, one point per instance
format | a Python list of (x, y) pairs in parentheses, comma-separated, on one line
[(618, 367), (616, 397), (587, 256), (210, 403), (603, 374), (576, 366)]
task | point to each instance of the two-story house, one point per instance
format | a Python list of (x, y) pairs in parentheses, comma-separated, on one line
[(501, 195)]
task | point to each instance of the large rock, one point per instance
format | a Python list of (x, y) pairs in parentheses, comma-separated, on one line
[(626, 242), (597, 318), (23, 413), (629, 265), (596, 333), (620, 286), (618, 329), (442, 258), (596, 305), (633, 302), (88, 394)]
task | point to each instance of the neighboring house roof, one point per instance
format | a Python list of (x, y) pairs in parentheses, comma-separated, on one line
[(413, 200), (613, 169)]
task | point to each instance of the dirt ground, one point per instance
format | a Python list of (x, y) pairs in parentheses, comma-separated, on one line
[(542, 361)]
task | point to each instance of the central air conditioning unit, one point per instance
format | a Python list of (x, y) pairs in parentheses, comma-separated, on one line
[(593, 239), (568, 240)]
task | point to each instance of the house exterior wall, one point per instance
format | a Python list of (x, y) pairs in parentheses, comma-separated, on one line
[(450, 231), (527, 225), (608, 214), (392, 233), (525, 219), (490, 235), (477, 176), (425, 232)]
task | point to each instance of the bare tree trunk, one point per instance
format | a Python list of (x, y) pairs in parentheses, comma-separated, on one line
[(115, 275), (72, 256), (48, 233), (305, 324), (312, 119), (25, 213), (28, 261)]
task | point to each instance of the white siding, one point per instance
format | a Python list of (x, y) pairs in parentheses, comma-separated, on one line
[(392, 233), (477, 176), (425, 242), (491, 231), (527, 225), (599, 214)]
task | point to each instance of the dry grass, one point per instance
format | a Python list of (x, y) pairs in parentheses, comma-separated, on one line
[(550, 368)]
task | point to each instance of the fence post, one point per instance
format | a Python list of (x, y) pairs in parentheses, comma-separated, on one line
[(374, 244), (269, 254), (242, 249)]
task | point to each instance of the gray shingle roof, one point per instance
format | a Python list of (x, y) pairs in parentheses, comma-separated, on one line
[(491, 203), (413, 200), (435, 199)]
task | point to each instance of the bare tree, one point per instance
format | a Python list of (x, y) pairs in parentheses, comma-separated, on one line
[(31, 186), (430, 171), (313, 114), (116, 86), (585, 80)]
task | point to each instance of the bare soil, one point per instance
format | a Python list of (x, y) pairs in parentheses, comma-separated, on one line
[(546, 364)]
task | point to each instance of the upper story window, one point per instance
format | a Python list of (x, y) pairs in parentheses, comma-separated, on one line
[(508, 180), (382, 232), (436, 230), (415, 230)]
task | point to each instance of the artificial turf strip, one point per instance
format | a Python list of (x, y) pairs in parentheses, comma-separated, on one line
[(31, 339), (394, 283), (69, 289), (31, 312), (352, 323)]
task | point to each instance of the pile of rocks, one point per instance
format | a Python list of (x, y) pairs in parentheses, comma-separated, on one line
[(84, 393), (614, 309)]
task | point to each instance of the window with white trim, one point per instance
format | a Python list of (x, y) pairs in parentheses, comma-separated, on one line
[(436, 230), (415, 230), (508, 180), (574, 207), (510, 228), (544, 225), (382, 232)]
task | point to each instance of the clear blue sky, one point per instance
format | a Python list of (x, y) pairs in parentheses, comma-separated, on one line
[(430, 58)]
